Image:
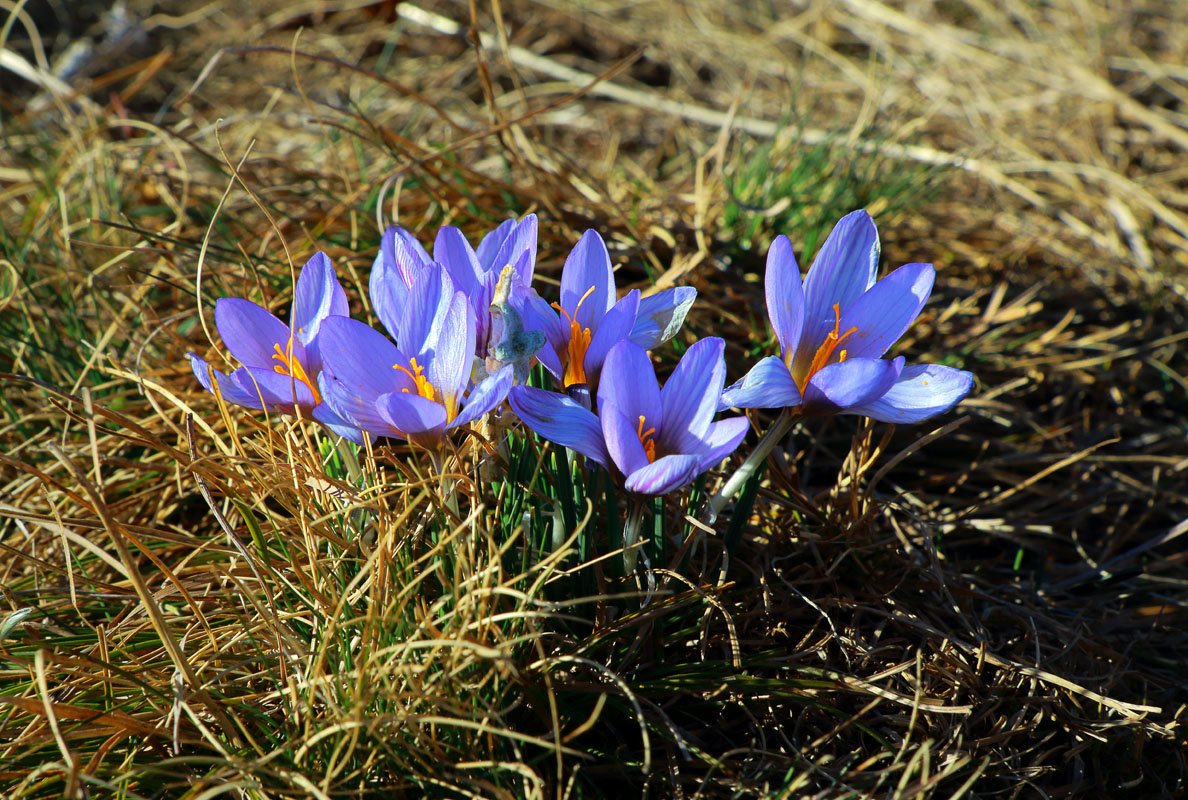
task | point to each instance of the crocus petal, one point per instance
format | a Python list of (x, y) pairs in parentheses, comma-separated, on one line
[(538, 315), (588, 267), (628, 383), (663, 475), (227, 388), (843, 269), (317, 295), (769, 384), (922, 391), (423, 315), (273, 388), (358, 409), (557, 418), (491, 243), (448, 367), (614, 327), (362, 358), (550, 361), (388, 296), (486, 396), (358, 370), (885, 310), (622, 439), (336, 424), (250, 331), (408, 255), (400, 261), (785, 296), (420, 419), (690, 397), (855, 382), (453, 252), (661, 315), (517, 249), (202, 371), (722, 439)]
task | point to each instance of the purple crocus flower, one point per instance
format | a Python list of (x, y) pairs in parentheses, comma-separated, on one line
[(590, 320), (417, 390), (658, 439), (281, 362), (400, 261), (509, 251), (476, 272), (834, 330)]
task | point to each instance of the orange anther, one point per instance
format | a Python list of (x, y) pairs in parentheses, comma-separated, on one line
[(290, 367), (832, 340), (424, 387), (579, 342), (645, 438)]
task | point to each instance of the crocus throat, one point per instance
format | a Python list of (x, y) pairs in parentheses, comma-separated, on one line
[(579, 343), (645, 438), (290, 367), (821, 358), (425, 389)]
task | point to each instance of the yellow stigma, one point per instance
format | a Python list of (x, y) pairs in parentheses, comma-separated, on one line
[(417, 373), (579, 342), (645, 438), (824, 352), (425, 389), (291, 368)]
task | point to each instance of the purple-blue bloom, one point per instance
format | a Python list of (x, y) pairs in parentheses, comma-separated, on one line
[(591, 321), (416, 390), (834, 330), (475, 273), (281, 362), (658, 439)]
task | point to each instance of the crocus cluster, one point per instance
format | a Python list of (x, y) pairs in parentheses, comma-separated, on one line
[(465, 325)]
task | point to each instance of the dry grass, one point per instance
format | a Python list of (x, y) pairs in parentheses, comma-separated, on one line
[(196, 598)]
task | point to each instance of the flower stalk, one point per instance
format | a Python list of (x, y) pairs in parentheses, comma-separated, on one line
[(631, 530), (775, 434)]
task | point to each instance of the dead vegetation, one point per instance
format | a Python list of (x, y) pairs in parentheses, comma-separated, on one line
[(996, 610)]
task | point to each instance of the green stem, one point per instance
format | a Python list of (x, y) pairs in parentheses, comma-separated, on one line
[(354, 472), (448, 495), (774, 435), (631, 534)]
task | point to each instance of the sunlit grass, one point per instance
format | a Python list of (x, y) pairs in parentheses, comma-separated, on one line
[(198, 599)]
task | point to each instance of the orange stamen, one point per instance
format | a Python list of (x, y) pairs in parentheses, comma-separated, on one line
[(291, 368), (645, 438), (832, 340), (579, 343)]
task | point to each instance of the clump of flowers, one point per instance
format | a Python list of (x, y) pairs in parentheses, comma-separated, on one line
[(465, 324), (417, 389)]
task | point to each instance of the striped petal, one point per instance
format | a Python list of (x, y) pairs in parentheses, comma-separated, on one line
[(844, 268), (769, 384), (885, 310), (922, 391), (663, 475), (839, 387), (555, 417)]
